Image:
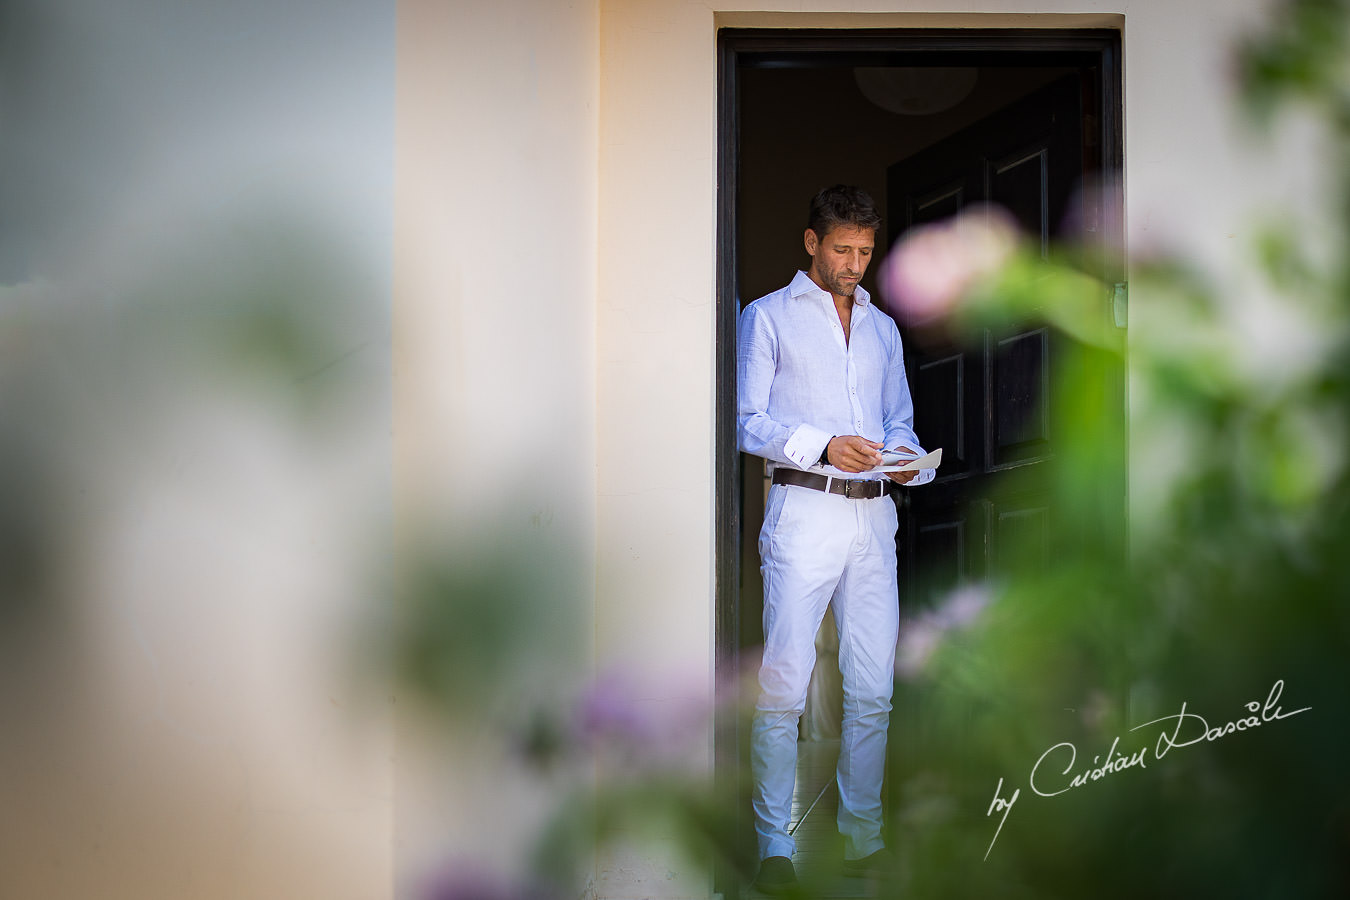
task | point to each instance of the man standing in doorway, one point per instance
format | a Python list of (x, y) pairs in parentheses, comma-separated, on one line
[(821, 391)]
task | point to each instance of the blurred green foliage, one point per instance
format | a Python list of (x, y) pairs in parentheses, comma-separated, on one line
[(494, 630), (1234, 582), (250, 302)]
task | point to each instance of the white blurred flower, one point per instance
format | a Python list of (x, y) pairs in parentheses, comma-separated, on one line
[(918, 640), (921, 636), (927, 273)]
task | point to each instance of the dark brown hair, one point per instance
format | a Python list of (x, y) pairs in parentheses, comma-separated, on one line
[(843, 204)]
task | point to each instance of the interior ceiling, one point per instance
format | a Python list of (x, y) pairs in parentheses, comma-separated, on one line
[(802, 129), (830, 98)]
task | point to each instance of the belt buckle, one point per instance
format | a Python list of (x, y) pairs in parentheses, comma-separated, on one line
[(851, 485)]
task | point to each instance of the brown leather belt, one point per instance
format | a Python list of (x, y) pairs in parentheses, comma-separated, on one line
[(852, 488)]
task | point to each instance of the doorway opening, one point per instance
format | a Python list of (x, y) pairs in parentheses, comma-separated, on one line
[(927, 121)]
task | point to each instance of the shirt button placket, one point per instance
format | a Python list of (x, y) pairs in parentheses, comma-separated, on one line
[(853, 394)]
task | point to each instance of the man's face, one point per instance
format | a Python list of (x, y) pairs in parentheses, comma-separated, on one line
[(839, 259)]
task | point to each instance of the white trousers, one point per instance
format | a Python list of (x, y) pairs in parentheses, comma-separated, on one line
[(817, 550)]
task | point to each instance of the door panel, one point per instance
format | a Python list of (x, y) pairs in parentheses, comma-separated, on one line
[(1019, 415), (940, 388), (987, 404)]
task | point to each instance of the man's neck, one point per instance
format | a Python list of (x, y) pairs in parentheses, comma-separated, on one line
[(843, 307), (842, 302)]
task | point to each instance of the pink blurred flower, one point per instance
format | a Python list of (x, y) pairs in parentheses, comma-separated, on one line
[(934, 265)]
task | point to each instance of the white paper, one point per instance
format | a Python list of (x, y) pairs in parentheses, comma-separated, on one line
[(929, 460)]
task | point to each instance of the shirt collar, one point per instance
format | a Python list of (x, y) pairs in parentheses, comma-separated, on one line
[(802, 285)]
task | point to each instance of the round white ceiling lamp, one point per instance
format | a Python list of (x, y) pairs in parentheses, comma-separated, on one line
[(915, 91)]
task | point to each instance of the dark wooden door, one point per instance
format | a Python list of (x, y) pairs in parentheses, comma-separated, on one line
[(987, 403)]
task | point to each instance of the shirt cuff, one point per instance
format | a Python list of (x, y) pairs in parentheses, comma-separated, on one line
[(803, 447), (924, 476)]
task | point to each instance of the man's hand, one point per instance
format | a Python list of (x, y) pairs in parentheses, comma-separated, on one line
[(904, 477), (854, 453)]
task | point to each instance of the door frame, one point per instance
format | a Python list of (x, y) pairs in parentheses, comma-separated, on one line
[(804, 47)]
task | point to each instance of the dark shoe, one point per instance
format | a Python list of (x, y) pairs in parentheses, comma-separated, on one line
[(776, 875), (871, 864)]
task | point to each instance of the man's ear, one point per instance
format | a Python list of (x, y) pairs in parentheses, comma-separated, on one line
[(811, 241)]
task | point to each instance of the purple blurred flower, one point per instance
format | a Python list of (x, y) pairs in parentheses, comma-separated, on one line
[(469, 882), (921, 636), (1095, 217), (610, 710), (927, 273), (653, 724)]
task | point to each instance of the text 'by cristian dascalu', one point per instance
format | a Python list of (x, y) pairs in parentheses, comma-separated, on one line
[(1050, 776)]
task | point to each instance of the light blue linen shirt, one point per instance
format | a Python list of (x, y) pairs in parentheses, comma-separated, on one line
[(800, 384)]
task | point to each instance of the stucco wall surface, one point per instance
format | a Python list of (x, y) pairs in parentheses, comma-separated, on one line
[(494, 386)]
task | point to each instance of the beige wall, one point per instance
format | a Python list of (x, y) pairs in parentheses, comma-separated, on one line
[(495, 373)]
